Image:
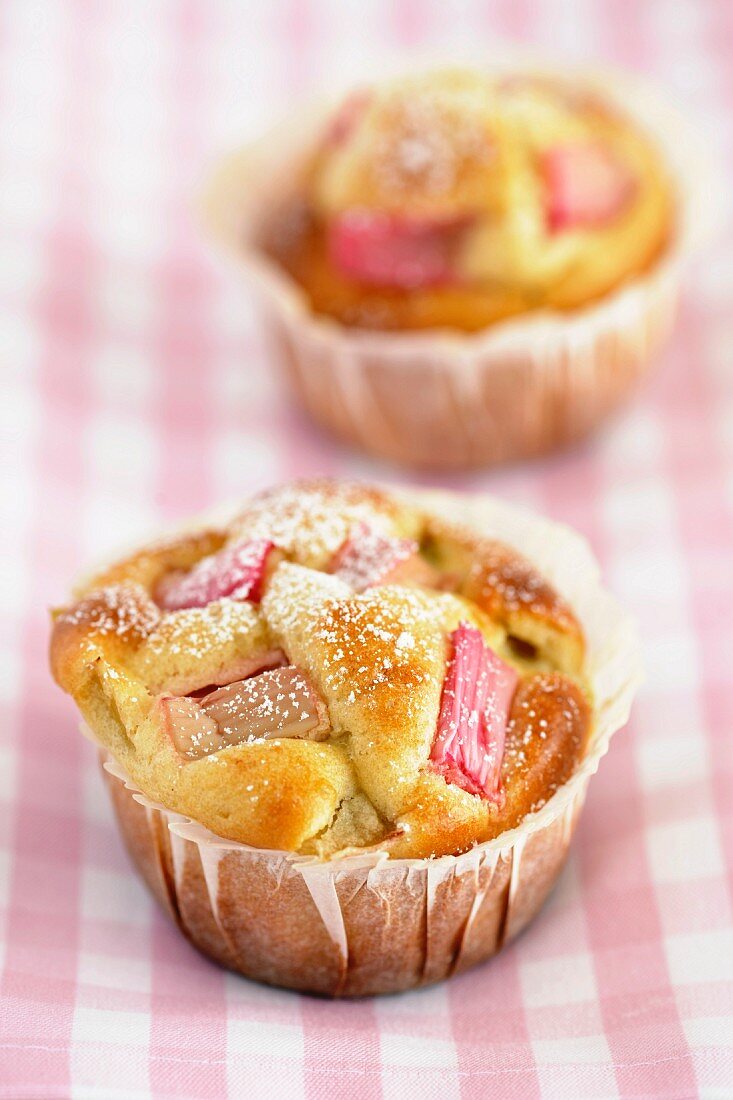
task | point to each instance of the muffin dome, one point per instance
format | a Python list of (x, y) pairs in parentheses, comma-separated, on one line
[(456, 198), (334, 669)]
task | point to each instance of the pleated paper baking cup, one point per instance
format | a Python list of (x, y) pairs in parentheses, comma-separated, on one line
[(447, 400), (362, 923)]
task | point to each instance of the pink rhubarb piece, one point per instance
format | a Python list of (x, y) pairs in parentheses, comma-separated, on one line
[(390, 251), (368, 558), (474, 710), (586, 185), (236, 571)]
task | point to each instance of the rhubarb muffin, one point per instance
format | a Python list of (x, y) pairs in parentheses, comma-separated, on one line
[(337, 673), (456, 199), (461, 267)]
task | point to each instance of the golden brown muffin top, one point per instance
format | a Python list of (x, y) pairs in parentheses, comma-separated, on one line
[(333, 669), (458, 197)]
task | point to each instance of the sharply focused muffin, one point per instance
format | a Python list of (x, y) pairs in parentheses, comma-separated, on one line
[(456, 198), (335, 669)]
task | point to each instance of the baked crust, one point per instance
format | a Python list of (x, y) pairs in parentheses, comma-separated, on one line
[(468, 149), (377, 659)]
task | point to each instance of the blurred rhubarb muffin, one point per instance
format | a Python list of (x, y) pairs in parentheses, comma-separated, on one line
[(337, 678), (517, 223), (457, 199)]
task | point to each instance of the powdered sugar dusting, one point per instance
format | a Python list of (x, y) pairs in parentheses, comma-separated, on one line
[(380, 639), (310, 521), (361, 639), (431, 131), (368, 558), (197, 632), (123, 610)]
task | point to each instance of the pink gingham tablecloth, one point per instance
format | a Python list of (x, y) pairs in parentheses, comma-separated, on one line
[(135, 390)]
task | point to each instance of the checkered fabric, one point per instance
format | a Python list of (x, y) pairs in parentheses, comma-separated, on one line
[(135, 390)]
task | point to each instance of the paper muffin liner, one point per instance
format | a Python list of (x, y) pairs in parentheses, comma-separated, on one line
[(362, 923), (448, 400)]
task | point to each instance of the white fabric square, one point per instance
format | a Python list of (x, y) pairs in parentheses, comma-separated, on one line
[(566, 979), (681, 851), (698, 957), (116, 1027), (257, 1037)]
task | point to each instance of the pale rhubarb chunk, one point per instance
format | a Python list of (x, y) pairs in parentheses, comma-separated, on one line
[(278, 703)]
